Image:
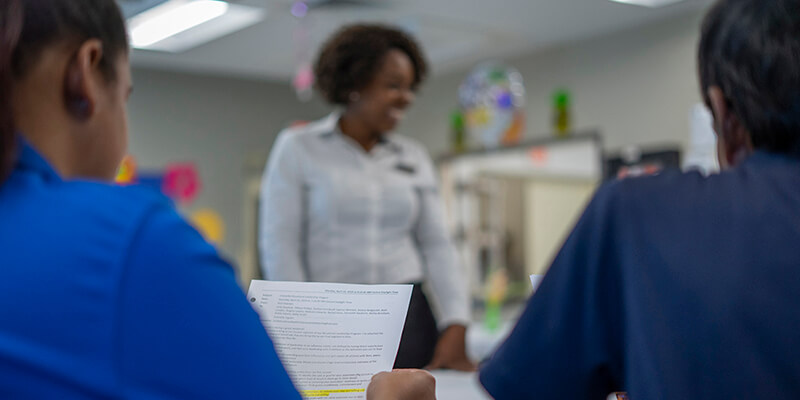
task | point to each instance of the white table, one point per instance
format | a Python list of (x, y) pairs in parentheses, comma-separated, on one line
[(482, 343), (453, 385)]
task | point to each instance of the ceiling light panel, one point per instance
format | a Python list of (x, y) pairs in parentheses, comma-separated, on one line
[(179, 25), (649, 3)]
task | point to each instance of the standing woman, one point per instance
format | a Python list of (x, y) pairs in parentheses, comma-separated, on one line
[(344, 201)]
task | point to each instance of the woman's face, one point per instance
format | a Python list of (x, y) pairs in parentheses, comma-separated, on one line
[(383, 102)]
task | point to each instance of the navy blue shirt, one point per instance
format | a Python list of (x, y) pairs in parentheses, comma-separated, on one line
[(106, 293), (669, 287)]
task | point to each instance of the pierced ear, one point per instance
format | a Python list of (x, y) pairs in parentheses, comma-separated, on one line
[(75, 96), (79, 80)]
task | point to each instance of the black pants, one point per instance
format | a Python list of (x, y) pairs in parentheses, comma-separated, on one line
[(420, 333)]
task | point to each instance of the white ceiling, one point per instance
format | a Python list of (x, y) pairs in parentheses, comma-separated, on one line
[(454, 33)]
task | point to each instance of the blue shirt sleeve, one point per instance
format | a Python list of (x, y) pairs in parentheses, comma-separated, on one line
[(567, 342), (186, 330)]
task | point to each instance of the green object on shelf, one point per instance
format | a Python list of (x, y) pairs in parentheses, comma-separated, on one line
[(562, 114), (458, 131), (457, 120), (493, 315), (562, 98)]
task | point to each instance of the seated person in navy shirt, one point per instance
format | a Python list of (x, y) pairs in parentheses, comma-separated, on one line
[(104, 291), (680, 286)]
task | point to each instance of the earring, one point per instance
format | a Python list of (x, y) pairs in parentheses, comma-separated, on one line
[(354, 97), (79, 107)]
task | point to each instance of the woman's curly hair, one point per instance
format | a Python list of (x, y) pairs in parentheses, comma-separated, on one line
[(350, 59)]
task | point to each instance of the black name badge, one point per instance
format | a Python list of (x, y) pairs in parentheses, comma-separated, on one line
[(408, 169)]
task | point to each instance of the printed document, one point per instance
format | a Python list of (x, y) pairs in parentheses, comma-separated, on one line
[(332, 338)]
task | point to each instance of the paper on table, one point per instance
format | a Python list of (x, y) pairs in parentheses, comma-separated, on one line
[(332, 338)]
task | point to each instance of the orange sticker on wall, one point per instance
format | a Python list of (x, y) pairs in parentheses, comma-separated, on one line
[(538, 155), (209, 224), (126, 174)]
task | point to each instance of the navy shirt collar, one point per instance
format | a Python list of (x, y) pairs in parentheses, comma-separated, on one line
[(764, 158)]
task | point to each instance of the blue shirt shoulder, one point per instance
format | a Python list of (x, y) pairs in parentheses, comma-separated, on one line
[(108, 293), (675, 286)]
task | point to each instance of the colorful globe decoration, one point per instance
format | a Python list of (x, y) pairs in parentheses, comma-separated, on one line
[(492, 99)]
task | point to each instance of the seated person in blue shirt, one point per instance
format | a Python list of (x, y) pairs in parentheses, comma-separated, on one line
[(680, 286), (104, 291)]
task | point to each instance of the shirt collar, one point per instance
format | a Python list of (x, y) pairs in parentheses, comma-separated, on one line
[(762, 157), (330, 124), (329, 127), (29, 159)]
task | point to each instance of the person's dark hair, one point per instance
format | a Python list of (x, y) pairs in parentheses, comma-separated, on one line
[(750, 49), (351, 58), (29, 26)]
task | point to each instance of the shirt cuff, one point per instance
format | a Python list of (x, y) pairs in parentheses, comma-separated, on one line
[(460, 317)]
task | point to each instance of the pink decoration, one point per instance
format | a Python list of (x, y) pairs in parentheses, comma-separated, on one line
[(304, 78), (181, 182)]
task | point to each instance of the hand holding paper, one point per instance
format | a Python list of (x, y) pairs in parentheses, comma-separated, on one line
[(402, 384)]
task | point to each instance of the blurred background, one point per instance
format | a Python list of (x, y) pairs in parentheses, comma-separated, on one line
[(531, 105)]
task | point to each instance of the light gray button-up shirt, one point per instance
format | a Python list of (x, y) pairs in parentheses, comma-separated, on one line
[(331, 212)]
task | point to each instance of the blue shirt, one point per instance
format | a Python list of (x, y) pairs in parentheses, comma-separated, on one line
[(105, 292), (669, 287)]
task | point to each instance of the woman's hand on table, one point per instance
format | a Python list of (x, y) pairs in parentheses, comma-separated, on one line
[(451, 351), (402, 384)]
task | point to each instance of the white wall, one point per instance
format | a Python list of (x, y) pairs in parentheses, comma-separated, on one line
[(636, 86), (220, 124)]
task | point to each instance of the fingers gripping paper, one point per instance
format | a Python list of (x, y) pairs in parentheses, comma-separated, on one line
[(332, 338)]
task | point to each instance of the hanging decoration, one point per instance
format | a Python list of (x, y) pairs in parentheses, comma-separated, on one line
[(303, 81), (492, 99)]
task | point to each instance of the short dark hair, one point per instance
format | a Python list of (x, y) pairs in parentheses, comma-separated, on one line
[(350, 59), (750, 49), (28, 26)]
